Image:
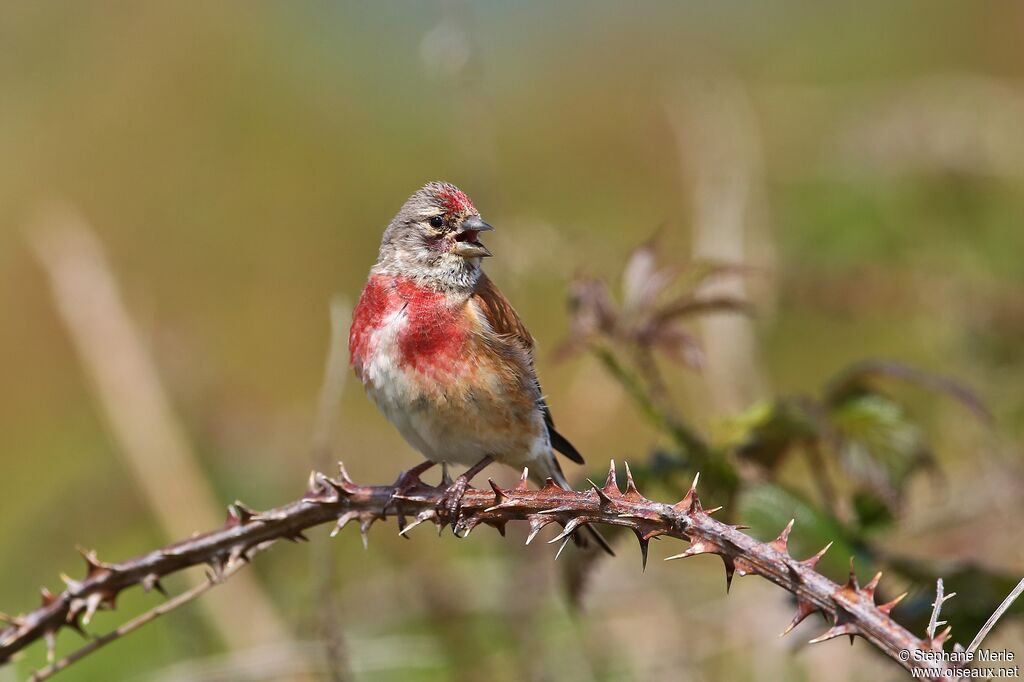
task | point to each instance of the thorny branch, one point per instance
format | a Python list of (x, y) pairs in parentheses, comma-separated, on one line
[(850, 608), (132, 625), (940, 598)]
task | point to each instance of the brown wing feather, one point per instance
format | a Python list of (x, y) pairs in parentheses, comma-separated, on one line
[(504, 321), (500, 314)]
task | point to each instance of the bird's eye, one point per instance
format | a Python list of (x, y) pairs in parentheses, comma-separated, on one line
[(436, 221)]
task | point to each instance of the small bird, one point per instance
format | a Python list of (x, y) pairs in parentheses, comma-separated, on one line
[(444, 355)]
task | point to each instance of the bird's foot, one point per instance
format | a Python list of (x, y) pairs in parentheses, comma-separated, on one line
[(406, 482), (451, 501)]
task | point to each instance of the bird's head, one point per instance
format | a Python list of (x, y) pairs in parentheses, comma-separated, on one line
[(435, 238)]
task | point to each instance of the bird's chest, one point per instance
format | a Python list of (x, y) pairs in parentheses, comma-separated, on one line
[(407, 342), (423, 359)]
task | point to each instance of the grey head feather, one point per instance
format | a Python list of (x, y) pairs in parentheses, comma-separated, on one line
[(413, 248)]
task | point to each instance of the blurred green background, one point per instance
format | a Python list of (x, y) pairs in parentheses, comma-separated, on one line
[(238, 162)]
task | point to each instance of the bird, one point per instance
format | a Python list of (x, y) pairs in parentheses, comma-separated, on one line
[(445, 356)]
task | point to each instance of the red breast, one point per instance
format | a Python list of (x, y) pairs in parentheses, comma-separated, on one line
[(430, 337)]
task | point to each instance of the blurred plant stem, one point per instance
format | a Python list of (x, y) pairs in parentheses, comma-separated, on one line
[(130, 394), (691, 443), (325, 432), (694, 452), (719, 146)]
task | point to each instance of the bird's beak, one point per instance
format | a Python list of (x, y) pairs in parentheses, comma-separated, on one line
[(466, 243)]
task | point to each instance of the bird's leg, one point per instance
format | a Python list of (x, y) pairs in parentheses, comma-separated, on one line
[(452, 498), (410, 477), (406, 481)]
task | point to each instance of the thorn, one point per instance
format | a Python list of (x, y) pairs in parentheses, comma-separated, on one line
[(11, 620), (238, 553), (572, 525), (887, 607), (549, 484), (152, 582), (364, 531), (602, 496), (51, 646), (92, 603), (941, 638), (813, 561), (343, 475), (869, 589), (399, 517), (611, 484), (690, 504), (327, 483), (241, 512), (536, 523), (466, 524), (523, 480), (696, 547), (644, 542), (631, 490), (803, 609), (420, 518), (216, 564), (343, 521), (730, 569), (711, 511), (498, 494), (75, 607), (498, 525), (73, 585), (72, 621), (93, 565), (47, 597), (851, 583), (781, 543), (559, 552), (836, 631)]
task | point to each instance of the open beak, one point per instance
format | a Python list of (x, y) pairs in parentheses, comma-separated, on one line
[(467, 244)]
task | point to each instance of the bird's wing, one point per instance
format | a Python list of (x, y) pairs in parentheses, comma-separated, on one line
[(558, 441), (506, 325), (500, 314)]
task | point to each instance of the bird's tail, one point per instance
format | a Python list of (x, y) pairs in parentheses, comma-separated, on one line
[(548, 467)]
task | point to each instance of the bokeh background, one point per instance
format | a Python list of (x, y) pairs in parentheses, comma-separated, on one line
[(237, 163)]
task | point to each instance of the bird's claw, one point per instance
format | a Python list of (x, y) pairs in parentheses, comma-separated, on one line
[(451, 500), (406, 482)]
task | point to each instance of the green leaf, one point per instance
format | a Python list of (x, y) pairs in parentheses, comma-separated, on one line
[(878, 444), (766, 431), (858, 378), (873, 513), (768, 507)]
